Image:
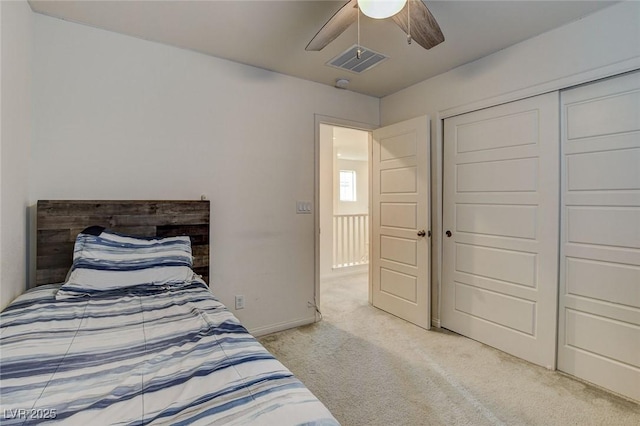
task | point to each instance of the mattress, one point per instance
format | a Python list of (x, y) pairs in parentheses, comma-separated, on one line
[(143, 354)]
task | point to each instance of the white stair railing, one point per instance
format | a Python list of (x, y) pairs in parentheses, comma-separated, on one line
[(350, 240)]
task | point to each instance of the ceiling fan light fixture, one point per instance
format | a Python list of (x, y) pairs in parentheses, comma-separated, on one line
[(381, 9)]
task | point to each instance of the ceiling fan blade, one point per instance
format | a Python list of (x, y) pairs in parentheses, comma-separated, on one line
[(424, 28), (335, 26)]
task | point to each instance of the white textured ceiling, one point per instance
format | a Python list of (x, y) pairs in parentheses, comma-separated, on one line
[(273, 34)]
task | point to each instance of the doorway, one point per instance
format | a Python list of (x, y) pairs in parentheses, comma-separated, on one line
[(395, 234), (343, 205)]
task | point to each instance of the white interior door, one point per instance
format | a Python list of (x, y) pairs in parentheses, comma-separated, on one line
[(501, 216), (400, 220), (599, 323)]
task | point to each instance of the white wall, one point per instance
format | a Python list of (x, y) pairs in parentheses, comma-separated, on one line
[(16, 42), (117, 117), (325, 184), (597, 46)]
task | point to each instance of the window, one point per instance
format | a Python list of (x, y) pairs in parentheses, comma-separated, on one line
[(347, 185)]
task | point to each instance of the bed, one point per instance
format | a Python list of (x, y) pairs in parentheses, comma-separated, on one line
[(131, 333)]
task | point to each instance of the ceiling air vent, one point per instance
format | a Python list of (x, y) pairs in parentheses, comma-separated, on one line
[(348, 60)]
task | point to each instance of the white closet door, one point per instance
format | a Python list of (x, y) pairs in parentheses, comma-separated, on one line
[(501, 222), (599, 323)]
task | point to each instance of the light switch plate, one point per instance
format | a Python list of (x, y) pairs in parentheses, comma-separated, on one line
[(303, 207)]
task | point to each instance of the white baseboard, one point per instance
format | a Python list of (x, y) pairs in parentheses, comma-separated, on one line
[(274, 328), (435, 322)]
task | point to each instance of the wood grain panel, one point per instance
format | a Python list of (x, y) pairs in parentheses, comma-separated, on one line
[(606, 226), (491, 176), (605, 115), (514, 130), (399, 284), (581, 327), (515, 313), (399, 215), (501, 220), (399, 181), (505, 265), (398, 146), (604, 171), (401, 250), (60, 221)]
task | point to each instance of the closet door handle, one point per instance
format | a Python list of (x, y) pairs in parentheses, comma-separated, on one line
[(422, 233), (448, 233)]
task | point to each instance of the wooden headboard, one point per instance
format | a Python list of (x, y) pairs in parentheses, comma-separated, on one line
[(59, 222)]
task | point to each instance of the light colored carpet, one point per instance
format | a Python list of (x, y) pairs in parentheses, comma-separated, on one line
[(371, 368)]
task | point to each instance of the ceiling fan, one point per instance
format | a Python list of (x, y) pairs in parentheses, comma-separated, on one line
[(411, 15)]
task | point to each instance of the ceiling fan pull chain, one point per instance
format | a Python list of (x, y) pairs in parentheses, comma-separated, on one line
[(358, 52), (409, 22)]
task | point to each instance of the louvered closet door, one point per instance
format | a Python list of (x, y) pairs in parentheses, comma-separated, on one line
[(501, 207), (599, 321)]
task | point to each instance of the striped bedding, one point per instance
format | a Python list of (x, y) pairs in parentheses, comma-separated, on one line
[(142, 354)]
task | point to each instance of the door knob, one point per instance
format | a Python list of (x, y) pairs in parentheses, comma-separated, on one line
[(422, 233), (448, 233)]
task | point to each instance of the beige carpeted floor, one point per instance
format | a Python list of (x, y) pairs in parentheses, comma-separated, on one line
[(371, 368)]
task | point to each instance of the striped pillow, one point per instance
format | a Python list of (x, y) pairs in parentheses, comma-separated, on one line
[(110, 260)]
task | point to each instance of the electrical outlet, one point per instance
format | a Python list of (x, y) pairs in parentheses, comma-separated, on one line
[(239, 301)]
